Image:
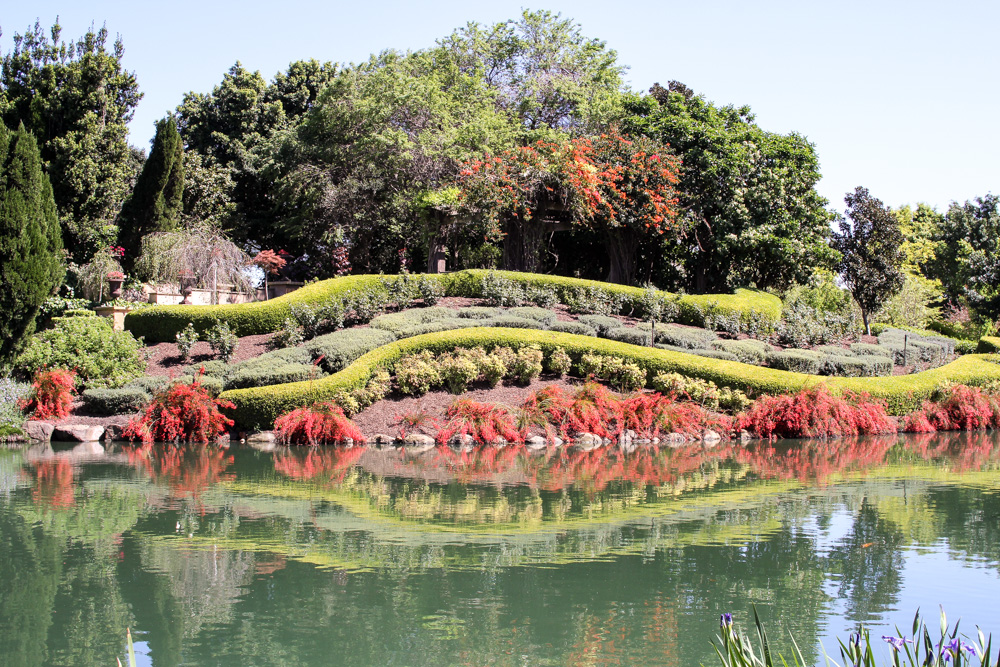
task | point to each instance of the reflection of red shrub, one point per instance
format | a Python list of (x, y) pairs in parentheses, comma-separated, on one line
[(816, 413), (187, 471), (324, 465), (961, 408), (54, 483), (181, 413), (321, 424), (51, 396), (483, 421)]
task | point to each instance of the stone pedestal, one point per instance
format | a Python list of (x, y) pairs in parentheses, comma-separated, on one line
[(116, 313)]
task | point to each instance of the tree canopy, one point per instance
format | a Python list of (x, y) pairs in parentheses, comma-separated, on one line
[(748, 196), (77, 100)]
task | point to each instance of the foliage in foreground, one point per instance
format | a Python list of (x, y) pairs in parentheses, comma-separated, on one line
[(51, 395), (738, 650), (180, 413)]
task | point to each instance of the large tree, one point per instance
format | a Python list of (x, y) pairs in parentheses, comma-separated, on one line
[(30, 242), (156, 202), (967, 254), (870, 243), (77, 100), (228, 138), (748, 196)]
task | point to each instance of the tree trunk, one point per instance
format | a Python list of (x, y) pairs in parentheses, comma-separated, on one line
[(623, 242), (521, 243)]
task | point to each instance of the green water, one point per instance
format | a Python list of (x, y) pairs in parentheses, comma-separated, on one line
[(328, 557)]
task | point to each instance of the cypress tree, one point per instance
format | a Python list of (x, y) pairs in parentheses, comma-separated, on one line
[(31, 265), (156, 202)]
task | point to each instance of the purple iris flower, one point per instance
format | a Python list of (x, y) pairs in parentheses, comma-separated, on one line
[(951, 649), (895, 642), (726, 621)]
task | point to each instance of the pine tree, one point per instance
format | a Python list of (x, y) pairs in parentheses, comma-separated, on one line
[(31, 264), (156, 202)]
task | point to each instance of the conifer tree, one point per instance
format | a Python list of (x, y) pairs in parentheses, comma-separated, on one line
[(156, 202), (31, 264)]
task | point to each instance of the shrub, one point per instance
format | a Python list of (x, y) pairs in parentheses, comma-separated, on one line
[(526, 365), (51, 395), (834, 350), (417, 374), (457, 370), (715, 354), (676, 386), (290, 335), (12, 394), (558, 362), (97, 354), (621, 374), (308, 318), (602, 324), (543, 296), (863, 366), (185, 339), (747, 351), (441, 325), (116, 401), (797, 361), (816, 413), (340, 348), (988, 345), (685, 337), (498, 290), (592, 300), (151, 384), (214, 368), (485, 422), (654, 305), (630, 336), (320, 424), (398, 322), (803, 324), (512, 322), (955, 407), (274, 372), (181, 413), (478, 312), (869, 350), (542, 315), (578, 328), (214, 386), (430, 290), (223, 341)]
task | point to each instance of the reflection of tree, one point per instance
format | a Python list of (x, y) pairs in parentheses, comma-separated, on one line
[(869, 561), (31, 566)]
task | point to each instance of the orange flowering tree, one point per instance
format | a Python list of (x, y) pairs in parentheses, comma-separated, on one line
[(619, 186)]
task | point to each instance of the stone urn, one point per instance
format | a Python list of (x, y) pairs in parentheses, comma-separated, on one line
[(186, 283), (115, 280)]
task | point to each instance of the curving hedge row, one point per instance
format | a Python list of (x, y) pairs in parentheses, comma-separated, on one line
[(258, 407), (161, 323), (988, 345)]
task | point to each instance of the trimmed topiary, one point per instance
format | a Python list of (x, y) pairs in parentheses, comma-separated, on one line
[(542, 315), (685, 337), (578, 328), (116, 401), (796, 361), (630, 335), (602, 324), (338, 349), (748, 351)]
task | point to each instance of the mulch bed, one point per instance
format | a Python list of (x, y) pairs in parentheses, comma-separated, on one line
[(165, 359)]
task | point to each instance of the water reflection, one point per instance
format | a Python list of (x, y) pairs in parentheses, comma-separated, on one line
[(507, 556)]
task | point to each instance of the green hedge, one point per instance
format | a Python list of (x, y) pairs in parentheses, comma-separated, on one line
[(258, 407), (988, 345), (161, 323)]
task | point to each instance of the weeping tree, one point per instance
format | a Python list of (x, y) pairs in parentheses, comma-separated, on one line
[(199, 255), (156, 202)]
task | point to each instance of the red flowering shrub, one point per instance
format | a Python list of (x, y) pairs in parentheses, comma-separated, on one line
[(483, 421), (958, 407), (816, 413), (51, 396), (320, 424), (180, 413)]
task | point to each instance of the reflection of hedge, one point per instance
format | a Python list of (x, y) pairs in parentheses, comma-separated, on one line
[(258, 407), (161, 323)]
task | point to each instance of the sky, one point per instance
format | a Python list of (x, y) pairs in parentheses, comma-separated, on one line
[(898, 97)]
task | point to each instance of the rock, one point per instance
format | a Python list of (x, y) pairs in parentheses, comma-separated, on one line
[(627, 446), (500, 442), (113, 432), (417, 443), (535, 442), (745, 436), (645, 442), (383, 440), (558, 442), (463, 442), (40, 431), (588, 441), (78, 433), (348, 443), (89, 449), (675, 440), (710, 438), (261, 438)]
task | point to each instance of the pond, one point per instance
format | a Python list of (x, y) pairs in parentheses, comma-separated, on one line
[(506, 557)]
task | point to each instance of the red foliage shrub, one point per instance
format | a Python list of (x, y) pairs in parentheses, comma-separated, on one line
[(961, 408), (320, 424), (485, 422), (816, 413), (180, 413), (51, 396)]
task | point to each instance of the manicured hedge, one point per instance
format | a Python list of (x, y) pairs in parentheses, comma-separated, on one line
[(257, 408), (988, 345), (161, 323)]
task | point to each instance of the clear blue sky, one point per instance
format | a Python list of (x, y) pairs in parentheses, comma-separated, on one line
[(900, 97)]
